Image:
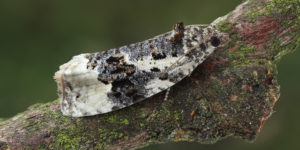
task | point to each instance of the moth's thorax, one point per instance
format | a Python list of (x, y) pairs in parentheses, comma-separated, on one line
[(97, 83)]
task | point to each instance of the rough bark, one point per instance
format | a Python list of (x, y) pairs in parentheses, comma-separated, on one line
[(231, 94)]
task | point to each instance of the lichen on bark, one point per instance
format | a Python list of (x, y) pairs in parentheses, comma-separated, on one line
[(231, 94)]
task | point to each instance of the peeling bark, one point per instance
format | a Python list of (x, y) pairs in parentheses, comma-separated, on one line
[(231, 94)]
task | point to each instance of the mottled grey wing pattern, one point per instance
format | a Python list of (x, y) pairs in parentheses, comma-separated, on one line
[(101, 82)]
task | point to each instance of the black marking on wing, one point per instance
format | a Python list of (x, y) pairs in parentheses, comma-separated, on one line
[(157, 56), (202, 46), (215, 41), (114, 68), (155, 69), (114, 60)]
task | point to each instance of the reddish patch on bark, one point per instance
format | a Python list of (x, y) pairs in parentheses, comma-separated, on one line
[(233, 97), (232, 49), (267, 115), (229, 80), (260, 32), (193, 113)]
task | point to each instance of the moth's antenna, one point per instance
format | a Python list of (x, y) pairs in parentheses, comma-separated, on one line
[(167, 94)]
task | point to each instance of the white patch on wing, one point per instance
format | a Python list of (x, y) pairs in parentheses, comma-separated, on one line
[(148, 63), (185, 69), (155, 86), (87, 95), (210, 49)]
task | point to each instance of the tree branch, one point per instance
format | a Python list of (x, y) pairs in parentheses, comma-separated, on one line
[(231, 94)]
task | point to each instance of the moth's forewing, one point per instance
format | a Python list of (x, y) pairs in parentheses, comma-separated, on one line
[(91, 84)]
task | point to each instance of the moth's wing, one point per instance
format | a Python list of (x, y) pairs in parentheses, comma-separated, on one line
[(80, 93), (91, 84)]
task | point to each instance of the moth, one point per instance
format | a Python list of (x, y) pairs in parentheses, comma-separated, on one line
[(97, 83)]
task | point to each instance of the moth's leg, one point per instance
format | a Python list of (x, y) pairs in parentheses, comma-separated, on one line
[(190, 74), (167, 94)]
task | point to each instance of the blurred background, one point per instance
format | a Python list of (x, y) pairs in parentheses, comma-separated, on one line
[(36, 36)]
